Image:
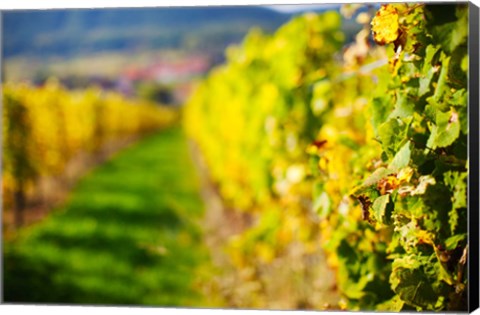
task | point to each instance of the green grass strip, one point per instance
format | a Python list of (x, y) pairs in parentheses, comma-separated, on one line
[(128, 235)]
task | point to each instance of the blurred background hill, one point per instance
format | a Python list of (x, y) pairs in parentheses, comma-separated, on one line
[(153, 53), (65, 33)]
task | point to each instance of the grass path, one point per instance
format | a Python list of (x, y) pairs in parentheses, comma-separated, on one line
[(128, 234)]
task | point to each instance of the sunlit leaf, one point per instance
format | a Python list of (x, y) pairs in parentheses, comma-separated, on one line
[(401, 159), (385, 26), (379, 207)]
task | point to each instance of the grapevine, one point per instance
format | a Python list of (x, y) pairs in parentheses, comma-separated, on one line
[(373, 166), (45, 127)]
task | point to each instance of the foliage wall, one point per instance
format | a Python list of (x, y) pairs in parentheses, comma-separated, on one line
[(360, 149)]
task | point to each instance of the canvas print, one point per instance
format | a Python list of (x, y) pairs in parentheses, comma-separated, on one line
[(280, 157)]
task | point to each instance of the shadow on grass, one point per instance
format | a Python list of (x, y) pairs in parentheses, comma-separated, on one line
[(128, 235)]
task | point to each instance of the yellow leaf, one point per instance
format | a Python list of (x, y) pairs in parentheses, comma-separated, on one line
[(385, 26), (425, 237), (405, 174)]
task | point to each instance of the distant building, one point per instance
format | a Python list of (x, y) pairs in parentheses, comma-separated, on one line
[(170, 71), (177, 74)]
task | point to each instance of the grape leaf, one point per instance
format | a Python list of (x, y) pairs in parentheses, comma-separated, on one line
[(380, 108), (453, 241), (442, 88), (452, 34), (385, 26), (401, 159), (463, 116), (404, 107), (391, 135), (428, 70), (458, 182), (378, 174), (379, 207), (395, 304), (414, 287), (447, 129)]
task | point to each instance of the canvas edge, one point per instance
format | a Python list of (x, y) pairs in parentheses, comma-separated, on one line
[(473, 191)]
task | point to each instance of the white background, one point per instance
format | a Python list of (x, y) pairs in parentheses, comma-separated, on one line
[(82, 310)]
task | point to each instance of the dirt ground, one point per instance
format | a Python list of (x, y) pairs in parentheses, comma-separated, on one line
[(292, 281)]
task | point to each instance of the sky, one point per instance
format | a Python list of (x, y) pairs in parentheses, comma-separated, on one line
[(301, 7), (29, 4), (44, 4)]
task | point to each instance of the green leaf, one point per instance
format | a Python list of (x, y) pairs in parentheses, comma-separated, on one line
[(379, 208), (404, 107), (457, 77), (453, 33), (380, 109), (453, 219), (430, 112), (442, 86), (395, 304), (463, 116), (458, 182), (437, 100), (441, 273), (448, 128), (391, 134), (459, 98), (425, 81), (464, 63), (452, 242), (446, 131), (414, 287), (428, 70), (401, 159)]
